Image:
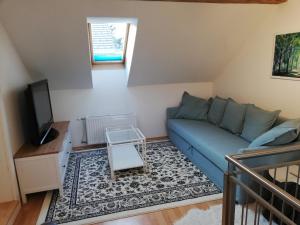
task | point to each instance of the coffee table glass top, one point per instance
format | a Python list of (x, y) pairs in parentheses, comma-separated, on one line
[(123, 135)]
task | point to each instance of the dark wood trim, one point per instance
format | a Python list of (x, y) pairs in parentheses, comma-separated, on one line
[(87, 147), (103, 145), (227, 1), (157, 138)]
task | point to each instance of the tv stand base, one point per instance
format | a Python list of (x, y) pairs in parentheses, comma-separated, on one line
[(52, 134), (43, 167)]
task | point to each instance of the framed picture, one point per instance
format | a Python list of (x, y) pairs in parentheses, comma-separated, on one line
[(286, 62)]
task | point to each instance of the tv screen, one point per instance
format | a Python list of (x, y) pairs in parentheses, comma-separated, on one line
[(40, 110)]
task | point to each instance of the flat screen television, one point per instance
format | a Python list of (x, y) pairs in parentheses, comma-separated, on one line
[(40, 113)]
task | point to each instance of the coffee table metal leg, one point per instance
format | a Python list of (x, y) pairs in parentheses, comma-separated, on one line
[(113, 177), (144, 149), (112, 173)]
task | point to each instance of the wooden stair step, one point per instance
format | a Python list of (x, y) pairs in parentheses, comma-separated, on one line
[(8, 212)]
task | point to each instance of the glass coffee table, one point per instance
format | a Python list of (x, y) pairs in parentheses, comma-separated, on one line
[(126, 149)]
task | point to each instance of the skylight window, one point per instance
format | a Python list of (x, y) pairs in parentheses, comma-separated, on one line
[(108, 42)]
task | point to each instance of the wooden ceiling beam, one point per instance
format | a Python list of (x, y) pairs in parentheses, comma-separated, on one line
[(228, 1)]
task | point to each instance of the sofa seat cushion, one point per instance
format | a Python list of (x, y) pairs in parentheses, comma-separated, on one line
[(211, 141)]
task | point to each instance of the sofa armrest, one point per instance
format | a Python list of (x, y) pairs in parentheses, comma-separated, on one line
[(247, 150), (171, 112)]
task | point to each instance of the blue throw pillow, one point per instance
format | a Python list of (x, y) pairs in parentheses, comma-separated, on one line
[(282, 134), (257, 122), (192, 108), (216, 111), (233, 118)]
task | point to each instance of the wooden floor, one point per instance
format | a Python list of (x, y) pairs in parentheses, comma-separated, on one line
[(163, 217), (7, 211), (29, 213)]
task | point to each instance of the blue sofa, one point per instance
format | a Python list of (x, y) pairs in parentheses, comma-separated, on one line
[(206, 145)]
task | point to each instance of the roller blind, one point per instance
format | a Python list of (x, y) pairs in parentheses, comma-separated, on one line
[(108, 41)]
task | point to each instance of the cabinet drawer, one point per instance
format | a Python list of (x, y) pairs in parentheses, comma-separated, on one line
[(37, 173)]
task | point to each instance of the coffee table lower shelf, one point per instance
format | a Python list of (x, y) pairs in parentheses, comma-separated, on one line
[(125, 157)]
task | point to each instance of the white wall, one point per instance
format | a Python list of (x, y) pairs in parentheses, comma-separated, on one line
[(6, 193), (176, 42), (247, 77), (112, 96), (13, 79), (130, 49)]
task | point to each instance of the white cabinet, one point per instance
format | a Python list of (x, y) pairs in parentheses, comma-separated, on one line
[(43, 168)]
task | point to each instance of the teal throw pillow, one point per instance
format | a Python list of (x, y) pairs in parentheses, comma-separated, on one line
[(233, 118), (257, 122), (192, 108), (282, 134), (216, 111)]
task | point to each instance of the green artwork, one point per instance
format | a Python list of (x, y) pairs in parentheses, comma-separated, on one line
[(287, 56)]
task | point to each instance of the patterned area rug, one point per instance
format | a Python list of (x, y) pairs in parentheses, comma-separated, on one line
[(90, 196)]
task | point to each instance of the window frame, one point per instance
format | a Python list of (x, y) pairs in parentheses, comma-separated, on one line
[(93, 62)]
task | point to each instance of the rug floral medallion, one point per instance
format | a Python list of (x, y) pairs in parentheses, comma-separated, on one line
[(89, 191)]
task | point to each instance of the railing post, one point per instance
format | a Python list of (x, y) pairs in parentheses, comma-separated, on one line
[(228, 211)]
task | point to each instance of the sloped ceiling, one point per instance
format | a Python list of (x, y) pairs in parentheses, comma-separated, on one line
[(176, 42)]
